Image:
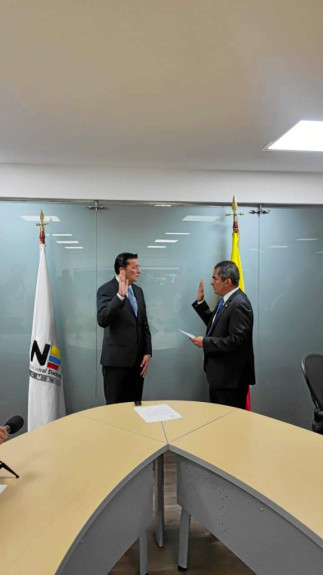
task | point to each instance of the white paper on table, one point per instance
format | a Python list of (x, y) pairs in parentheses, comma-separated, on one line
[(2, 488), (186, 333), (154, 413)]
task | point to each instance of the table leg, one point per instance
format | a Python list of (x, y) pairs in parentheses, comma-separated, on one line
[(159, 501), (143, 553), (184, 532)]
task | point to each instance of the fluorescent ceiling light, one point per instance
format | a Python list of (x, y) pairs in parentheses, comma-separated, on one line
[(74, 247), (67, 242), (305, 136), (157, 247), (278, 247), (166, 241), (62, 235), (177, 233), (37, 219), (200, 218), (306, 239), (161, 268), (163, 205)]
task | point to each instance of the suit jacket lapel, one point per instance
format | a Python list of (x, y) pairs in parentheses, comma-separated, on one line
[(213, 321), (115, 283), (223, 309)]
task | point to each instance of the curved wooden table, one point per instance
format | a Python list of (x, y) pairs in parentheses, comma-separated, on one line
[(85, 489)]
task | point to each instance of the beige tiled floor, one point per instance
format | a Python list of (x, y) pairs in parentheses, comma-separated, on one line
[(207, 555)]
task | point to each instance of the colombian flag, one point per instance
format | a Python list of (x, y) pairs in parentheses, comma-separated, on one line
[(235, 257)]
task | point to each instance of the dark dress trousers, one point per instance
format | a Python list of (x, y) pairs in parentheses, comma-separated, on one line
[(228, 349), (126, 340)]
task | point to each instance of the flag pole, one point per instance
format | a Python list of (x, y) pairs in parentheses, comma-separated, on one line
[(46, 394), (235, 257)]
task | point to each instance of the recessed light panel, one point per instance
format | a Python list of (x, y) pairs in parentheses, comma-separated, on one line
[(198, 218), (278, 247), (166, 241), (37, 219), (305, 136)]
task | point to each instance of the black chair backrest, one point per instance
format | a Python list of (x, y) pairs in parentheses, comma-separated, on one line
[(312, 366)]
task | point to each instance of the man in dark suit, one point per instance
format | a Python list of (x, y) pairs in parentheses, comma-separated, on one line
[(227, 345), (126, 348)]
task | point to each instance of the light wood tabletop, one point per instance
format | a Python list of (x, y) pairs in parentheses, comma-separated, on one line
[(67, 469), (282, 462), (124, 416), (70, 467), (195, 414)]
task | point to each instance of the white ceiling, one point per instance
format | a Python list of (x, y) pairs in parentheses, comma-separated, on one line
[(183, 84)]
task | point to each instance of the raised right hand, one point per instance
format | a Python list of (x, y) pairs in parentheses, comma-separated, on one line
[(123, 283), (200, 291)]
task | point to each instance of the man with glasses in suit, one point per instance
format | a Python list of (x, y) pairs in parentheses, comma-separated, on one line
[(126, 347)]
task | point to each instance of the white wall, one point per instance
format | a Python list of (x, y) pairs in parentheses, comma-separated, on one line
[(86, 183)]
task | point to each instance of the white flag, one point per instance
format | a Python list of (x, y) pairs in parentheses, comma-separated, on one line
[(46, 395)]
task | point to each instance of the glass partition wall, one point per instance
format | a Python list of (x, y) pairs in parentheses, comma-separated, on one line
[(281, 254)]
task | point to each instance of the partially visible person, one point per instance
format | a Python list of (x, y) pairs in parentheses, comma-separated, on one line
[(227, 345), (126, 347), (3, 434)]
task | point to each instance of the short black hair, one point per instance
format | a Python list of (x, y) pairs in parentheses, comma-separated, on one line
[(229, 270), (121, 260)]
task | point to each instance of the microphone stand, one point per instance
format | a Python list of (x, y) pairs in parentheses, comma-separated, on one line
[(7, 468)]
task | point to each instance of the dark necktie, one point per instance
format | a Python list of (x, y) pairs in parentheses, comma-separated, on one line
[(131, 297), (220, 304)]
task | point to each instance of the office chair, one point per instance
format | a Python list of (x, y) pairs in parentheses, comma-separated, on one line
[(312, 366)]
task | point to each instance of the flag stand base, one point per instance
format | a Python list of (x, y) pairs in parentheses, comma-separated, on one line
[(7, 468)]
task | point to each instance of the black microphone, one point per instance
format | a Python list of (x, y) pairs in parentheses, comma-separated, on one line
[(14, 424)]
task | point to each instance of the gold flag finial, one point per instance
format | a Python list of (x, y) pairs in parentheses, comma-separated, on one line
[(42, 229), (235, 213), (234, 205)]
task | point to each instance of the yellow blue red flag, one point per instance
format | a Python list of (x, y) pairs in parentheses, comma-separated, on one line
[(235, 257)]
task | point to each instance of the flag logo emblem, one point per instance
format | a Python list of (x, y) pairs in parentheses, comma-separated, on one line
[(54, 360)]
